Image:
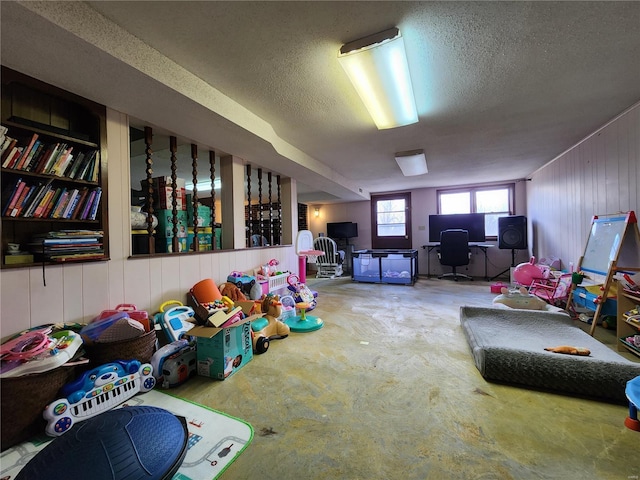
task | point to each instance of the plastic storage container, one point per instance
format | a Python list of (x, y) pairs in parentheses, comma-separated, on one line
[(385, 266)]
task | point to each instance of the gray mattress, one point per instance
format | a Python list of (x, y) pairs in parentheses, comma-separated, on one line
[(508, 347)]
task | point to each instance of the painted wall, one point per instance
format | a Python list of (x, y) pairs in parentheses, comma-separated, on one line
[(423, 204), (77, 293)]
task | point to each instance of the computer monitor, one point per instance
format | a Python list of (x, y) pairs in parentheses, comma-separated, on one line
[(472, 222), (342, 230)]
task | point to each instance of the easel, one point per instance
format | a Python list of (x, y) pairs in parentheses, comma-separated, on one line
[(613, 239)]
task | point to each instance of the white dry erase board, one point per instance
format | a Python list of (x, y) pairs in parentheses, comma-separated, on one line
[(613, 238)]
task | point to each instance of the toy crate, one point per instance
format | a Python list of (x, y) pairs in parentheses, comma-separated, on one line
[(274, 283)]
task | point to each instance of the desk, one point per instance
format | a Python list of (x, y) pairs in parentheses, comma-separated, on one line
[(482, 246)]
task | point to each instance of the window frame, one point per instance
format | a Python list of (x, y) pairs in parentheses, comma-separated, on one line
[(472, 190)]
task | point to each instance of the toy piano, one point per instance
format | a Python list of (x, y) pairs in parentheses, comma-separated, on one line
[(96, 391)]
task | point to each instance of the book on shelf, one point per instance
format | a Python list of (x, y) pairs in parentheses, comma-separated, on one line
[(26, 194), (26, 151), (13, 197), (61, 198), (33, 159), (62, 161), (35, 200), (85, 170), (84, 192), (52, 202), (70, 203), (62, 204), (28, 156), (48, 164), (44, 202), (87, 206), (73, 165), (7, 144), (96, 203), (13, 156)]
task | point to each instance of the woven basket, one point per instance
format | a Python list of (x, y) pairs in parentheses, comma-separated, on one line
[(23, 400), (140, 348)]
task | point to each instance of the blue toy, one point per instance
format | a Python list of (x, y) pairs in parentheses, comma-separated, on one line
[(243, 281), (175, 321), (96, 391)]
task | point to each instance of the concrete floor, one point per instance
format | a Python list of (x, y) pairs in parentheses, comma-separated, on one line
[(387, 389)]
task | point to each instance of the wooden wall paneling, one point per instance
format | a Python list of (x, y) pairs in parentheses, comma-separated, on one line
[(95, 296), (16, 304), (73, 295), (598, 176), (43, 298), (137, 282), (119, 208), (171, 287)]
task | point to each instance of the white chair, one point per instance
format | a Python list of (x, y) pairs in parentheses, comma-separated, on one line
[(330, 264)]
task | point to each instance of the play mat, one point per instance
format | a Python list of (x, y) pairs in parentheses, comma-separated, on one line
[(215, 439)]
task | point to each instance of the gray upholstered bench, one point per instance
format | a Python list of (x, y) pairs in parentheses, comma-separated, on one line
[(508, 347)]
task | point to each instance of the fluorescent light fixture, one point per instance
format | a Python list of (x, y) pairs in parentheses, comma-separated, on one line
[(377, 66), (204, 186), (412, 162)]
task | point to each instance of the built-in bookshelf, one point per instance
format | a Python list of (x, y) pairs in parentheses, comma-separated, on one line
[(52, 154)]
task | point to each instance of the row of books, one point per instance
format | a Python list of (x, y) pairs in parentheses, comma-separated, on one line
[(68, 245), (43, 200), (57, 159)]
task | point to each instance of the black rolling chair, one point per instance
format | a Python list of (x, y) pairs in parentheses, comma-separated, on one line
[(454, 252)]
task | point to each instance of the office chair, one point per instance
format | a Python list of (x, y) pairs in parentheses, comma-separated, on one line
[(454, 252), (330, 264)]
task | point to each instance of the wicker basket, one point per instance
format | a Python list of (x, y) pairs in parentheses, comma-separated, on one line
[(139, 348), (23, 400)]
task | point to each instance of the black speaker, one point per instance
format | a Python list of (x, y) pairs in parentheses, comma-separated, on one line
[(512, 232)]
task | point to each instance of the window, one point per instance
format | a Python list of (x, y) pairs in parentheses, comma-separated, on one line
[(494, 201)]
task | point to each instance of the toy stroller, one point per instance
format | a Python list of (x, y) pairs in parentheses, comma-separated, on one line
[(301, 293)]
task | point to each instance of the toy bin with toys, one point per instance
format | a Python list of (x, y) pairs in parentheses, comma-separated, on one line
[(221, 352)]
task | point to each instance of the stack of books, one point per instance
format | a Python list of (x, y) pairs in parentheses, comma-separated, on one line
[(68, 245)]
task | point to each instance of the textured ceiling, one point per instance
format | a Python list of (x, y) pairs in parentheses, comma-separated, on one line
[(502, 87)]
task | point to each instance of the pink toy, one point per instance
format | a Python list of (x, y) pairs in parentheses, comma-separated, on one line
[(526, 273)]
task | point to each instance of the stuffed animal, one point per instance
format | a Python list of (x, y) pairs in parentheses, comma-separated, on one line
[(233, 292), (520, 299), (569, 350)]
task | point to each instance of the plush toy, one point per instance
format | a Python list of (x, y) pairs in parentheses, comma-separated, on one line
[(569, 350), (233, 292), (520, 299)]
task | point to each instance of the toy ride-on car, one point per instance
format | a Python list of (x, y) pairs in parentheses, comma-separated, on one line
[(243, 281), (268, 327)]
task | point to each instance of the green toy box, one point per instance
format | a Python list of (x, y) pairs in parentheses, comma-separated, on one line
[(221, 352)]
